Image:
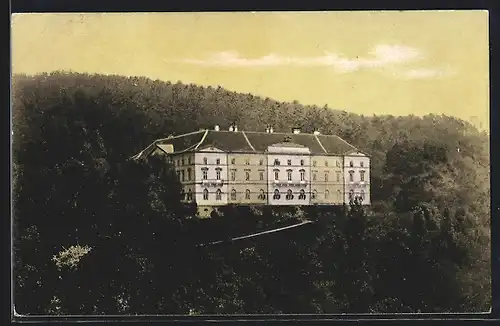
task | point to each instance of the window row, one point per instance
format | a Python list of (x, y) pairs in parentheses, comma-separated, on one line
[(327, 174), (247, 175), (181, 161), (247, 161), (277, 162), (361, 175), (315, 163), (277, 195), (289, 174), (361, 164)]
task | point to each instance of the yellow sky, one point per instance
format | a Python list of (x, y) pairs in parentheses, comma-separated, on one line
[(364, 62)]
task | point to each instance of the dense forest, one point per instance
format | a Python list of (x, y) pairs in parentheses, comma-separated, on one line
[(96, 233)]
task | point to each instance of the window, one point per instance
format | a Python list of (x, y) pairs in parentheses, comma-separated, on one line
[(189, 173), (189, 160), (179, 175), (289, 162), (182, 161), (183, 194), (217, 172), (276, 162), (302, 194), (247, 175), (182, 175), (362, 164), (327, 193), (233, 161), (247, 194), (262, 194), (276, 175), (326, 176), (302, 175), (314, 194), (205, 160), (351, 176), (261, 175), (362, 194), (338, 176), (218, 194), (351, 164), (189, 195), (314, 163), (276, 194), (362, 175), (247, 161), (326, 163), (337, 163), (351, 195), (301, 162), (314, 176), (261, 162), (205, 173), (289, 194), (217, 161), (233, 175), (205, 194), (339, 195), (289, 175), (233, 194)]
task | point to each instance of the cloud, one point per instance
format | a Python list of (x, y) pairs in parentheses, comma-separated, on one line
[(425, 73), (381, 56)]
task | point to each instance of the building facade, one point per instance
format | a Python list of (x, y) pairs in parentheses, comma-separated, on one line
[(220, 167)]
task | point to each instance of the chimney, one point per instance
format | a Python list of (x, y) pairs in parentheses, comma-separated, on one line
[(316, 132), (235, 128), (231, 128), (296, 130), (216, 128)]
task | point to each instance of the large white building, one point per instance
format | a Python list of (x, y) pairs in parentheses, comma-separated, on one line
[(220, 167)]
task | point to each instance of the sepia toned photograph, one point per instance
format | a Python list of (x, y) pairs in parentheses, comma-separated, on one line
[(250, 163)]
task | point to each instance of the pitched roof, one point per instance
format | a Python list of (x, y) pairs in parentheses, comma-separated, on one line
[(253, 141)]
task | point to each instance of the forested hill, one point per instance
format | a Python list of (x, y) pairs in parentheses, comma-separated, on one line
[(127, 114), (88, 223)]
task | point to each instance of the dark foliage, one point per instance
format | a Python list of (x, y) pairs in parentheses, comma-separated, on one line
[(96, 233)]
